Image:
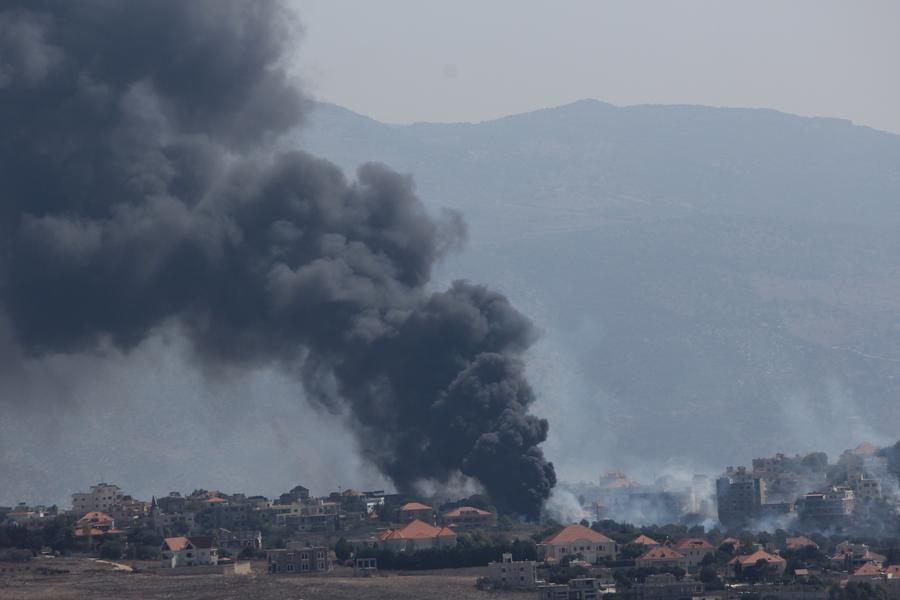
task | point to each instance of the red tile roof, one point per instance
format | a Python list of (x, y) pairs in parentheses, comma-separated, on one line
[(456, 512), (95, 517), (415, 506), (694, 544), (749, 560), (417, 530), (799, 542), (662, 553), (867, 570), (174, 544), (643, 540), (575, 532)]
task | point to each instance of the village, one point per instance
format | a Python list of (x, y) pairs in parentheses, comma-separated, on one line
[(766, 536)]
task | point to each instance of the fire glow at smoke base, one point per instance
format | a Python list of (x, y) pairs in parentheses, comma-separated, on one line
[(138, 190)]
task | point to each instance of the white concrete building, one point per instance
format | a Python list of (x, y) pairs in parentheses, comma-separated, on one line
[(189, 551), (103, 497)]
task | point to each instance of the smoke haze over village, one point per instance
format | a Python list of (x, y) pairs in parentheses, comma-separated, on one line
[(675, 274)]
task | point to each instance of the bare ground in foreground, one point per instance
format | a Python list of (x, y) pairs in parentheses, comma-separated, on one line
[(89, 579)]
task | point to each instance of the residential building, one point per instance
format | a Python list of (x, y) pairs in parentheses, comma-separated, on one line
[(831, 506), (739, 497), (316, 516), (644, 540), (467, 518), (177, 522), (416, 511), (509, 573), (219, 512), (172, 504), (130, 513), (738, 565), (575, 540), (799, 543), (102, 497), (867, 573), (578, 589), (848, 557), (417, 535), (240, 539), (665, 586), (694, 550), (25, 516), (189, 551), (662, 557), (864, 488), (100, 521), (298, 494), (298, 561)]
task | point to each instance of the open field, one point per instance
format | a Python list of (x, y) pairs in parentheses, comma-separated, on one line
[(89, 579)]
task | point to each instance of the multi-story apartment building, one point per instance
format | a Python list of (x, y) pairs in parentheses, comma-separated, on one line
[(739, 496), (318, 516), (103, 497), (833, 505), (516, 574)]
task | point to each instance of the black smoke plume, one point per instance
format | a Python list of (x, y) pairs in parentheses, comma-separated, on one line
[(138, 190)]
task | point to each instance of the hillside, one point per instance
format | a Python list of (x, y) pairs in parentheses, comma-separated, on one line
[(716, 283), (711, 284)]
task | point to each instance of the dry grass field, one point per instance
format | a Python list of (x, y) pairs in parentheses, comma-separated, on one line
[(89, 579)]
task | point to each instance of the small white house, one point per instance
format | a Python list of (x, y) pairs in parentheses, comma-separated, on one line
[(189, 551)]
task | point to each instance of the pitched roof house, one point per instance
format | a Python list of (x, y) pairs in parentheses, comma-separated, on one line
[(412, 511), (577, 539), (662, 557), (695, 550), (644, 540), (417, 535), (737, 564), (191, 551)]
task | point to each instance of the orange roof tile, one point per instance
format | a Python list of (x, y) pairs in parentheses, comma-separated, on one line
[(695, 544), (575, 532), (644, 540), (866, 570), (415, 506), (799, 542), (456, 512), (661, 553), (417, 530), (95, 517), (752, 559), (175, 544)]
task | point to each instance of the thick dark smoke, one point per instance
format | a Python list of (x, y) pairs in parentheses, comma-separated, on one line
[(138, 190)]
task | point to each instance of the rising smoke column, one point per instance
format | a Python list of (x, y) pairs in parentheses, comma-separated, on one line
[(139, 189)]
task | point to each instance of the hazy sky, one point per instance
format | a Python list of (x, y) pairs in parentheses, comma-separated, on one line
[(471, 60)]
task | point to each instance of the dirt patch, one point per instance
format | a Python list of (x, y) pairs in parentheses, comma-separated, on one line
[(86, 580)]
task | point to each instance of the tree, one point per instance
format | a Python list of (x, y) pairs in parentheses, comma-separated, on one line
[(856, 590), (111, 550), (709, 575), (342, 549)]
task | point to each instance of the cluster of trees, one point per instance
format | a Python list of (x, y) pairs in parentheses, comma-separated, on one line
[(474, 549), (57, 534)]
